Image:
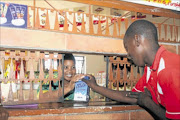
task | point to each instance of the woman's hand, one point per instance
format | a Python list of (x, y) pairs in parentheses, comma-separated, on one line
[(91, 82), (75, 79)]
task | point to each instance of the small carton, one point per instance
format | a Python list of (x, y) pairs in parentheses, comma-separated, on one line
[(81, 92)]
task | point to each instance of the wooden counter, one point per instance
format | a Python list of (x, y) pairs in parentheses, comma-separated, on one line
[(79, 111)]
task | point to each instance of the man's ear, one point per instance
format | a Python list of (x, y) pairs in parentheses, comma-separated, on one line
[(137, 40)]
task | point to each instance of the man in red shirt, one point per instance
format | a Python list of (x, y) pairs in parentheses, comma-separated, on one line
[(158, 90), (162, 79)]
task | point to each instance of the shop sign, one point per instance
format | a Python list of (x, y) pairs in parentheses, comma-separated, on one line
[(167, 4), (13, 15)]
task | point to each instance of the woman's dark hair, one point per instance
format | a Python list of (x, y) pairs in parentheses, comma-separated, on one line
[(69, 56)]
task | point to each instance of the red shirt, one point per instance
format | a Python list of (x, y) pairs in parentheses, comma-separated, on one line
[(162, 79)]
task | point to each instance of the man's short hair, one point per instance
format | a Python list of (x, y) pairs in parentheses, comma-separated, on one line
[(142, 27)]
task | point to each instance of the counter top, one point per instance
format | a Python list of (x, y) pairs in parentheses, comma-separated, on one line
[(68, 107)]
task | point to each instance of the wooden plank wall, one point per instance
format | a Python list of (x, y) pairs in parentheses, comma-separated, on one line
[(14, 76)]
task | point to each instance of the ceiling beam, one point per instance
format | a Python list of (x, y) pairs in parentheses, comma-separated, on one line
[(131, 7)]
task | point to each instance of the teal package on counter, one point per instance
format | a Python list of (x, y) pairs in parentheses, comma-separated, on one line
[(81, 92)]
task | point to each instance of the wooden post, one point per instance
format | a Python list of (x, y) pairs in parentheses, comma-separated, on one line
[(65, 23), (41, 76), (22, 78), (159, 27), (174, 30), (165, 31), (118, 73), (12, 77), (91, 30), (125, 76), (74, 29), (34, 20), (99, 27), (2, 54), (37, 22), (119, 26), (28, 18), (59, 67), (177, 34), (107, 27), (171, 31), (110, 73), (56, 24), (131, 77), (31, 77), (115, 29), (50, 74), (126, 23), (47, 26), (83, 30), (10, 95)]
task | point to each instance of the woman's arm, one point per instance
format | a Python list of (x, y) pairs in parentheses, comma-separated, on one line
[(68, 86), (55, 94)]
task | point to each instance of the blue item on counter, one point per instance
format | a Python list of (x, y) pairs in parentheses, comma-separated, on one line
[(81, 92), (87, 77)]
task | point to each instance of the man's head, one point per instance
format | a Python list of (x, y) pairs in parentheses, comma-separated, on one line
[(140, 40)]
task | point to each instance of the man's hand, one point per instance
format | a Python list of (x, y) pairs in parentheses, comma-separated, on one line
[(3, 114), (142, 97), (91, 82)]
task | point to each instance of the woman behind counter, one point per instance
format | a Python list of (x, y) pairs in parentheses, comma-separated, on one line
[(70, 78)]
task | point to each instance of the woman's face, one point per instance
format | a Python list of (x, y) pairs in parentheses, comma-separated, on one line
[(69, 69)]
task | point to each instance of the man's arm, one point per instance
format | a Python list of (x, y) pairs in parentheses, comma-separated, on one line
[(144, 100), (141, 98), (156, 109), (120, 96)]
